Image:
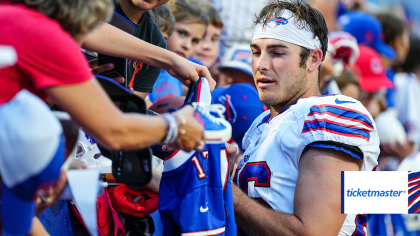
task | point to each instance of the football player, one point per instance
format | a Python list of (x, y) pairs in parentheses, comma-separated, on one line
[(288, 180)]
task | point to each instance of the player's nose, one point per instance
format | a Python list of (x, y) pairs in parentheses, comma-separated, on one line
[(263, 62)]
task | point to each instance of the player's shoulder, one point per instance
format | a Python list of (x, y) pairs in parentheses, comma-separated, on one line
[(337, 105), (336, 118)]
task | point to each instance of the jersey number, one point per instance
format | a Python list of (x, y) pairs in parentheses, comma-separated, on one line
[(224, 166), (201, 174), (361, 224), (257, 172)]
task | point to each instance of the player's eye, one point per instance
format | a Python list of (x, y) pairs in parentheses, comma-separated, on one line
[(278, 54)]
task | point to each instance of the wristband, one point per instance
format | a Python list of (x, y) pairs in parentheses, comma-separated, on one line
[(183, 122), (171, 130)]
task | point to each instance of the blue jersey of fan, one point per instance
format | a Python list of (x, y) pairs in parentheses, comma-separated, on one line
[(195, 195)]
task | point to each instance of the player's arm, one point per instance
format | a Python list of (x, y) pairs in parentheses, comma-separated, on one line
[(316, 204), (109, 40)]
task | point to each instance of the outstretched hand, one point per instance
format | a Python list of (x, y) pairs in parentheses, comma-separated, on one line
[(187, 71)]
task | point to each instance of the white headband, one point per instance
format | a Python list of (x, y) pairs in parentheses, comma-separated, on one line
[(284, 28)]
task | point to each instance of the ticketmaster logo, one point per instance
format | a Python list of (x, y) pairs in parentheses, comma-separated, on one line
[(374, 193), (377, 192)]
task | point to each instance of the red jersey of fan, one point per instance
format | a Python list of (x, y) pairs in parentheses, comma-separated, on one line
[(46, 54)]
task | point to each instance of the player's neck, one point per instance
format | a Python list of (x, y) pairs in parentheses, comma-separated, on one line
[(279, 108)]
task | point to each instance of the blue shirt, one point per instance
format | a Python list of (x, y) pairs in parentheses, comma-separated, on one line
[(166, 86)]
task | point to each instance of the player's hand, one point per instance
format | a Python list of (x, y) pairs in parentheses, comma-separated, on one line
[(187, 71), (194, 132), (96, 70), (50, 196), (232, 154)]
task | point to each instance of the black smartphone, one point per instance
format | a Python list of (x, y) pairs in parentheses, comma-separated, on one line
[(111, 74), (120, 64)]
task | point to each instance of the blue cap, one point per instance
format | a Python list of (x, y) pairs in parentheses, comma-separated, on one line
[(242, 105), (367, 30), (238, 57)]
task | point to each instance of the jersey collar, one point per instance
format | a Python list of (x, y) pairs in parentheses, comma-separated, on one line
[(268, 117)]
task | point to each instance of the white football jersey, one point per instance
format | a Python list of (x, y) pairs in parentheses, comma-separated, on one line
[(269, 168)]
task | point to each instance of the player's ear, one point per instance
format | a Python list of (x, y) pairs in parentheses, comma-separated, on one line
[(315, 59)]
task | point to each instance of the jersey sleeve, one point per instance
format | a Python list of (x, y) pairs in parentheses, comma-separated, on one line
[(351, 150), (51, 57), (341, 123)]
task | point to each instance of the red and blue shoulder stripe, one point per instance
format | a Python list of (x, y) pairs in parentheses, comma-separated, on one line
[(337, 122)]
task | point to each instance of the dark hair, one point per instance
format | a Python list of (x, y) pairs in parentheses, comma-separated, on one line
[(188, 10), (392, 26), (212, 13), (412, 62), (75, 16), (164, 19), (305, 17), (347, 77)]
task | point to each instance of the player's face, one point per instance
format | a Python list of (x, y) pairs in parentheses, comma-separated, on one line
[(146, 5), (277, 74), (207, 50), (185, 38)]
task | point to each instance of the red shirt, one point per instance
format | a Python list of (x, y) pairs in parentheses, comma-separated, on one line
[(46, 54)]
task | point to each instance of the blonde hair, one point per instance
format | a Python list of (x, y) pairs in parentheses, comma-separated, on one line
[(188, 10), (74, 16)]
